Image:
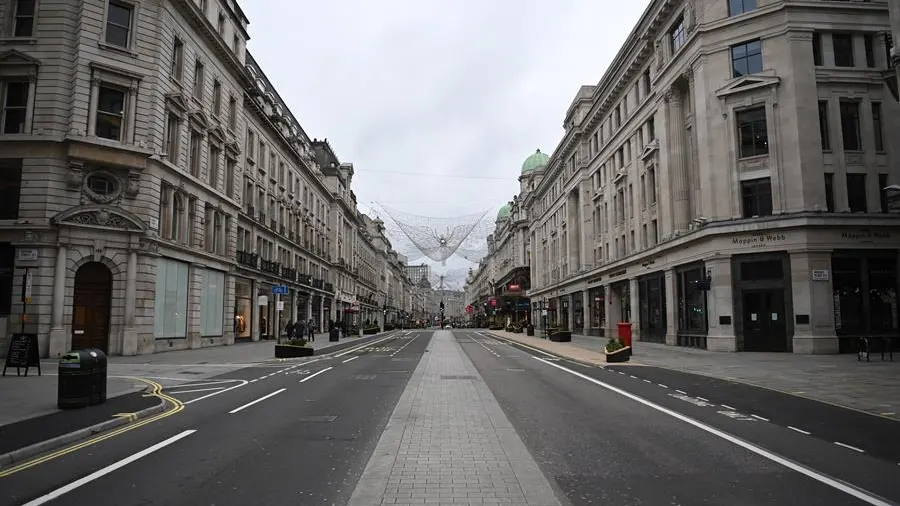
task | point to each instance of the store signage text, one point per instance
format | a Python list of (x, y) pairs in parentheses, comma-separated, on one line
[(759, 240), (864, 235)]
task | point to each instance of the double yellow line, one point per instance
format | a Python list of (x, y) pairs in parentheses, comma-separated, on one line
[(156, 391)]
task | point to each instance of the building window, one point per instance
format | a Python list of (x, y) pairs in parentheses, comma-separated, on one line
[(198, 80), (15, 106), (865, 292), (177, 70), (843, 49), (171, 299), (212, 302), (736, 7), (195, 153), (677, 35), (101, 185), (110, 113), (229, 177), (213, 173), (217, 97), (856, 193), (824, 133), (746, 58), (850, 125), (756, 196), (220, 24), (877, 130), (882, 193), (829, 192), (817, 49), (118, 24), (869, 42), (10, 187), (232, 113), (173, 137), (754, 140), (23, 18)]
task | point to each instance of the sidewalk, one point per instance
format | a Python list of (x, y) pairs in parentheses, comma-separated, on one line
[(33, 398), (873, 386), (449, 442)]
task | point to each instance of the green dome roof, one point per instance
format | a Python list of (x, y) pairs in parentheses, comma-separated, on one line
[(534, 162), (503, 213)]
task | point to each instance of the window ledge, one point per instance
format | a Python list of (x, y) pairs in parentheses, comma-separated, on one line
[(117, 49), (18, 40)]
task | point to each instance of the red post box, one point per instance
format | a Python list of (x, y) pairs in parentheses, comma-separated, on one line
[(625, 333)]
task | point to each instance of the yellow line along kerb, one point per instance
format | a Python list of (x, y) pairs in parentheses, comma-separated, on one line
[(177, 406)]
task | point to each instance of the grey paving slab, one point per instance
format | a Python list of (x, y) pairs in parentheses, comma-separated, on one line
[(449, 442)]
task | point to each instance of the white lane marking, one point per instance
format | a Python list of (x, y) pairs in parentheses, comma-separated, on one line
[(405, 345), (254, 380), (514, 343), (351, 350), (706, 400), (492, 352), (860, 450), (801, 431), (106, 470), (846, 488), (195, 390), (245, 406), (313, 375), (682, 392), (620, 372), (647, 381), (760, 418), (632, 376), (207, 396), (664, 386), (726, 406), (351, 359), (204, 384)]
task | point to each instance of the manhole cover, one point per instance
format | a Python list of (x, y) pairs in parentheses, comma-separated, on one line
[(363, 377), (456, 377), (315, 419)]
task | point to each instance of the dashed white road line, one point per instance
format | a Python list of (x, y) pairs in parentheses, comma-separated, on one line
[(801, 431), (664, 386), (245, 406), (726, 406), (194, 390), (682, 392), (860, 450), (313, 375), (108, 469), (351, 359), (760, 418), (632, 376), (364, 345), (705, 400), (405, 345), (207, 396), (844, 487), (647, 381)]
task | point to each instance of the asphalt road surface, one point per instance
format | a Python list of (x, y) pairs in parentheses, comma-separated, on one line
[(303, 432)]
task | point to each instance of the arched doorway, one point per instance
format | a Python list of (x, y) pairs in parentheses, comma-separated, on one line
[(91, 307)]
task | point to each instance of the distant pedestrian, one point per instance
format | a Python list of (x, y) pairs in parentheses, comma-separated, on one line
[(311, 328), (289, 330), (299, 329)]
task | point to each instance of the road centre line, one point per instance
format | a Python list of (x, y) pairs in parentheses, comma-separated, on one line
[(351, 359), (245, 406), (516, 343), (405, 345), (364, 345), (760, 418), (726, 406), (108, 469), (801, 431), (207, 396), (860, 450), (682, 392), (195, 390), (664, 386), (846, 488), (313, 375), (485, 347)]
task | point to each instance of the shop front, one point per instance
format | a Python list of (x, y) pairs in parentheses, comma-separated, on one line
[(652, 307), (265, 304), (597, 299), (243, 309), (864, 292), (691, 317), (762, 298)]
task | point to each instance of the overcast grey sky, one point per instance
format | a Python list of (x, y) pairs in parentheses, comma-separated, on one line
[(436, 88)]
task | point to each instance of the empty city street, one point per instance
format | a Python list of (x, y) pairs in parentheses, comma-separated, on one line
[(463, 417)]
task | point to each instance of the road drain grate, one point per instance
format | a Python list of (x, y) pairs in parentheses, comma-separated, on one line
[(456, 377), (317, 419)]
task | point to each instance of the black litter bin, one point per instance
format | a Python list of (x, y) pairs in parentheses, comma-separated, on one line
[(529, 330), (98, 376), (334, 334), (75, 380)]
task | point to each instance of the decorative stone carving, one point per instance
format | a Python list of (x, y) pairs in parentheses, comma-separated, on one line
[(100, 216), (98, 249), (114, 191), (133, 184), (753, 164), (149, 246), (76, 175), (659, 54), (853, 159), (689, 16)]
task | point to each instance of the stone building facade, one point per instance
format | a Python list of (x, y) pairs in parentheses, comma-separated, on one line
[(721, 186), (155, 186)]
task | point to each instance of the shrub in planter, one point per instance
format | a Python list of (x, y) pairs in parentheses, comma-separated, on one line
[(616, 351), (560, 334), (370, 330), (294, 348)]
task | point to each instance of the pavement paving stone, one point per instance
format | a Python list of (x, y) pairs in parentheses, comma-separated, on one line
[(452, 445)]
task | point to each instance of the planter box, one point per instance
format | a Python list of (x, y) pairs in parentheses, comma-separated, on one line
[(620, 355), (291, 351), (370, 331), (561, 336)]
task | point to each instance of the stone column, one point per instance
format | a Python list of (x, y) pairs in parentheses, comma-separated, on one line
[(129, 336), (59, 341), (813, 300), (635, 304), (587, 307), (323, 318), (719, 306), (256, 311), (677, 166), (613, 310), (293, 305), (672, 307)]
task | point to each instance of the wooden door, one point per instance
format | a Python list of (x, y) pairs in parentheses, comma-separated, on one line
[(91, 307)]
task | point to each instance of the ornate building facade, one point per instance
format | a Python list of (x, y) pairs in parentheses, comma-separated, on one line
[(158, 194), (722, 185)]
